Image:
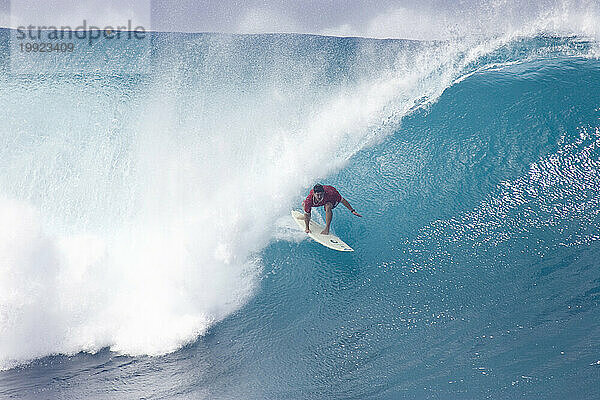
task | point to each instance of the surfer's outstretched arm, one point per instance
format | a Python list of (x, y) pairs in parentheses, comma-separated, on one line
[(349, 207)]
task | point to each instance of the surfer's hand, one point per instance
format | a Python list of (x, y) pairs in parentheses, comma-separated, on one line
[(307, 230), (355, 213)]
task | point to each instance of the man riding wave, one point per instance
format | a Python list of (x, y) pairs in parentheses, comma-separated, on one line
[(328, 197)]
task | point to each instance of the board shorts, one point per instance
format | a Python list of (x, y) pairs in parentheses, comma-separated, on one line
[(333, 205)]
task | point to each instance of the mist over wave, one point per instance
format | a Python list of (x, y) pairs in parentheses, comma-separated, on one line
[(134, 208), (439, 20)]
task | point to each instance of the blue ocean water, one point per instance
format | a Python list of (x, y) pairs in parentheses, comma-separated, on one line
[(147, 249)]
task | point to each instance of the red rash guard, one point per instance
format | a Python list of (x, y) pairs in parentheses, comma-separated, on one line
[(331, 196)]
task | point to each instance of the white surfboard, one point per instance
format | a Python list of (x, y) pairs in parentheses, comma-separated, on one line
[(331, 241)]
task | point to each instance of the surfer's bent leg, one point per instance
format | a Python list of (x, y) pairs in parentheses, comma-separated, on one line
[(328, 217), (306, 219)]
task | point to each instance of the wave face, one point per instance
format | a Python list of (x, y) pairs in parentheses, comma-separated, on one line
[(137, 217), (135, 207)]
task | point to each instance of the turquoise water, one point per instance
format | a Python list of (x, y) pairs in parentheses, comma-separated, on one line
[(148, 250)]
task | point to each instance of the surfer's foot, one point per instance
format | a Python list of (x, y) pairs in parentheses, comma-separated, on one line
[(325, 232)]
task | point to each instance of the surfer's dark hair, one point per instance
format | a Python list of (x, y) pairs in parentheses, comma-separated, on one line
[(318, 188)]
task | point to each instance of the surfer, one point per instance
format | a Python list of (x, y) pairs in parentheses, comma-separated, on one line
[(328, 197)]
